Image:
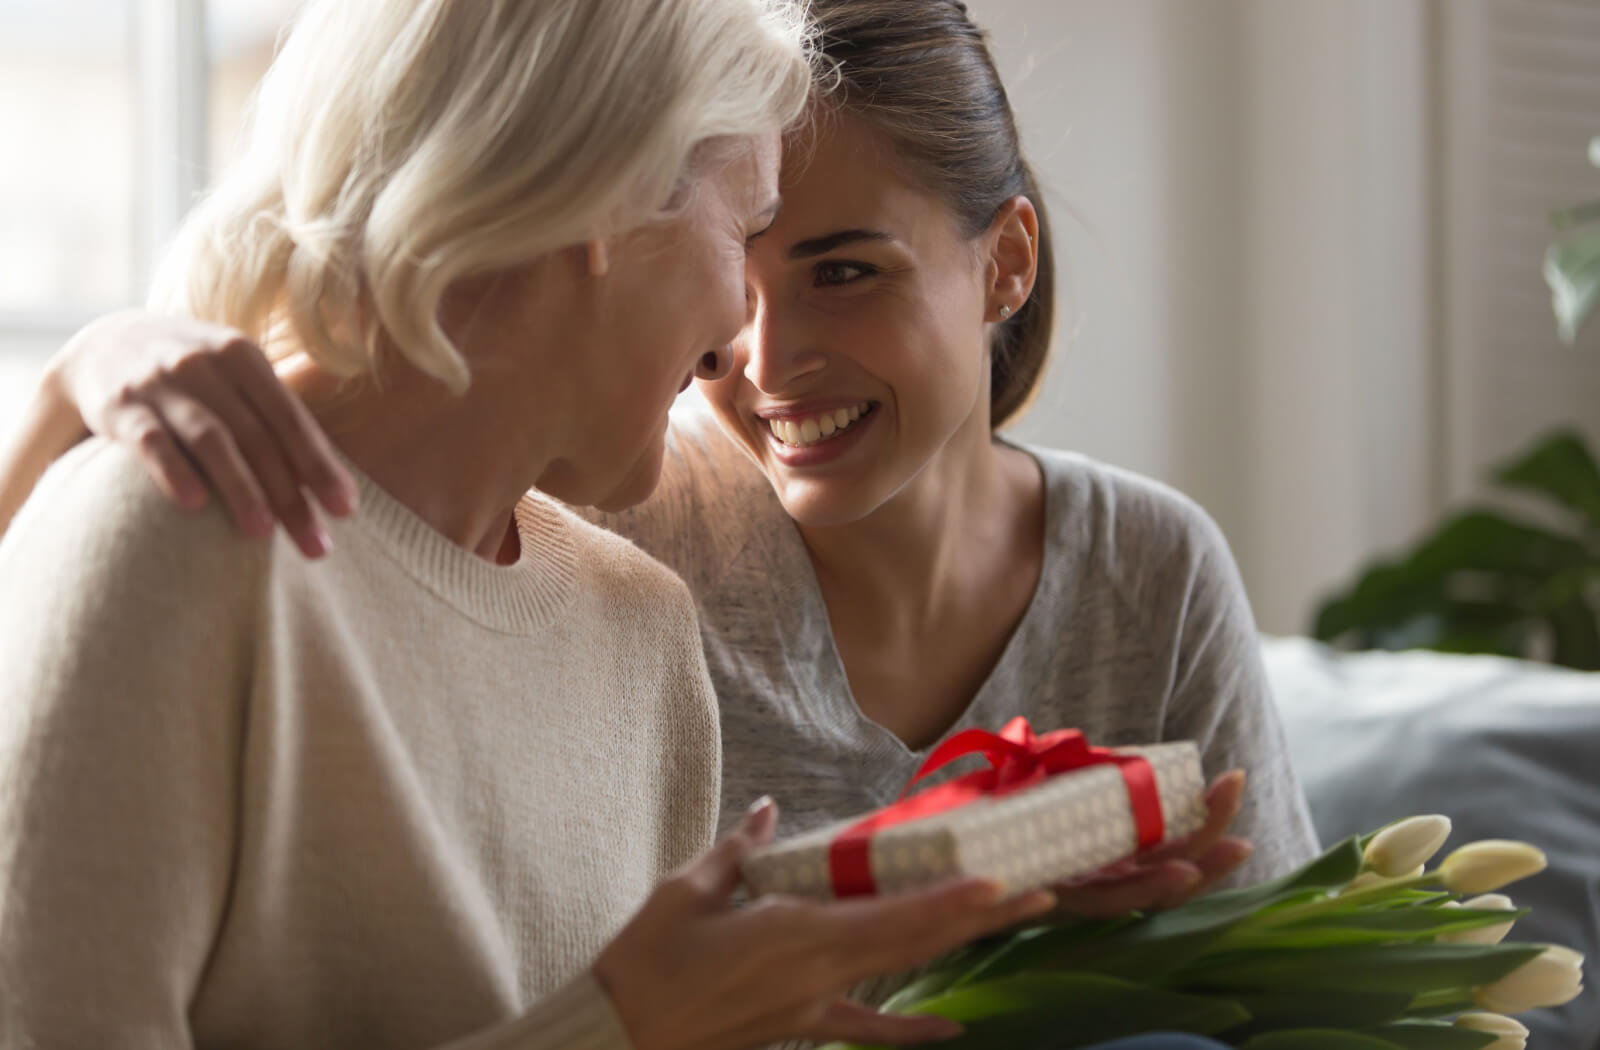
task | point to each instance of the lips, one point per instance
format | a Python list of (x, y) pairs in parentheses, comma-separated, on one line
[(802, 428)]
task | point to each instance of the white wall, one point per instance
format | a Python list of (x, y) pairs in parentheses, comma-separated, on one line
[(1127, 111), (1253, 309)]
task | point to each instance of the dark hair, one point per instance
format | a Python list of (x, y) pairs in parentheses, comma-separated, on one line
[(921, 72)]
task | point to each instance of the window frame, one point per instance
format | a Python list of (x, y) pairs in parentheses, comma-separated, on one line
[(171, 65)]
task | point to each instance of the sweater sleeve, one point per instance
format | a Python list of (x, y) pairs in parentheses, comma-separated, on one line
[(126, 636), (119, 736), (576, 1016), (1220, 697)]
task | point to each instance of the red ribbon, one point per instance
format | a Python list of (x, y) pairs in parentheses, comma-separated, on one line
[(1017, 759)]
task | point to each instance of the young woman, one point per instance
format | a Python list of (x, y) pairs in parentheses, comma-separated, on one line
[(410, 795)]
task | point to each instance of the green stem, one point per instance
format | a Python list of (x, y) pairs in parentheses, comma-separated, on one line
[(1311, 909), (1441, 997)]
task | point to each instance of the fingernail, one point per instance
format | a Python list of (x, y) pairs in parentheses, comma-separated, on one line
[(346, 497), (1039, 901), (324, 540), (758, 805)]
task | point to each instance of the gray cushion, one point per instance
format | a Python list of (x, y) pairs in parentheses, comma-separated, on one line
[(1506, 749)]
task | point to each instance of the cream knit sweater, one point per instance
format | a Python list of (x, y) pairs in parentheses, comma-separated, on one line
[(397, 798)]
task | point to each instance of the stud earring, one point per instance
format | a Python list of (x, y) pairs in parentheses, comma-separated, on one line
[(1005, 311)]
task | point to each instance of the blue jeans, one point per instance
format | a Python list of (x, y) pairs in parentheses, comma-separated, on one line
[(1161, 1041)]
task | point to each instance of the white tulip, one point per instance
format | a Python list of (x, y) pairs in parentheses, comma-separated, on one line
[(1513, 1035), (1482, 934), (1481, 867), (1400, 847), (1553, 977)]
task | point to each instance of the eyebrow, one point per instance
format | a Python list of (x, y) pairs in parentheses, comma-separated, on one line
[(823, 245)]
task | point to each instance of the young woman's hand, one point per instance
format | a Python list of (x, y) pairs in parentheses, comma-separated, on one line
[(692, 972), (1171, 874), (201, 406)]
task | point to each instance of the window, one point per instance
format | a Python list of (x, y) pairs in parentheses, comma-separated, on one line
[(115, 114)]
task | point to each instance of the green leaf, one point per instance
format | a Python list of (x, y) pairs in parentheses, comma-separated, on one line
[(1433, 1035), (1559, 466), (1318, 1039), (1155, 944), (1300, 1008), (1469, 577), (1159, 943), (1572, 270), (1065, 1010), (1411, 968), (1577, 215), (1379, 925), (1576, 628)]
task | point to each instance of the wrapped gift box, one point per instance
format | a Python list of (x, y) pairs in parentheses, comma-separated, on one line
[(1071, 823)]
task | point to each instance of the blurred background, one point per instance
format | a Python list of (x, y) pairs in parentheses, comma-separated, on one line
[(1302, 239)]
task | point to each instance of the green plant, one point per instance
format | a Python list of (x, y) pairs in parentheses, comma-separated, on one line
[(1348, 953), (1484, 582), (1487, 582), (1572, 264)]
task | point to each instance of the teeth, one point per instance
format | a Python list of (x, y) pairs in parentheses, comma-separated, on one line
[(812, 429)]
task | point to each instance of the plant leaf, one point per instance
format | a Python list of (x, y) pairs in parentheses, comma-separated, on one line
[(1411, 968), (1063, 1010), (1299, 1008), (1576, 627), (1433, 1035), (1572, 270), (1479, 550), (1158, 943), (1382, 925), (1317, 1039), (1562, 467)]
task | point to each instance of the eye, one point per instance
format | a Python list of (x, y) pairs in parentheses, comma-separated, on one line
[(835, 273)]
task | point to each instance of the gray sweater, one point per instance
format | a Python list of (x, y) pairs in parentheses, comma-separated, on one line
[(1139, 631)]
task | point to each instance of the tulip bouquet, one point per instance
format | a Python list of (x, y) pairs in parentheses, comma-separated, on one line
[(1362, 949)]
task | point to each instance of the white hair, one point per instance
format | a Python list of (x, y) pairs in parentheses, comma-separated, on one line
[(400, 145)]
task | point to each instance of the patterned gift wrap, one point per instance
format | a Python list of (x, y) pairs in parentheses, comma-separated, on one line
[(1071, 824)]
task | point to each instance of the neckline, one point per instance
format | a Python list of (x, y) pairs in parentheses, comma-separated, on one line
[(840, 710), (520, 598)]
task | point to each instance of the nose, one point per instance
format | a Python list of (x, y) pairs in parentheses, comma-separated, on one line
[(774, 352), (714, 364)]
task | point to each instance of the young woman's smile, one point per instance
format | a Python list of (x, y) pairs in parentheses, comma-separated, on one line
[(810, 435)]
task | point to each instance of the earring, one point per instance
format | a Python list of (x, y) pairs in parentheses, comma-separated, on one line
[(1005, 311)]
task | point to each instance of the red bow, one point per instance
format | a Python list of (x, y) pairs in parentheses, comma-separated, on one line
[(1017, 759)]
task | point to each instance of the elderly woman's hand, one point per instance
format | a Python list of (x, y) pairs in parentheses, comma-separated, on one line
[(693, 971), (201, 406), (1171, 874)]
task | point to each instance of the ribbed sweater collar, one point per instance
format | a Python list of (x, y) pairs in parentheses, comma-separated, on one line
[(515, 599)]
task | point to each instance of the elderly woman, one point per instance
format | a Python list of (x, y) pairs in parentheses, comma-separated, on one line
[(412, 793)]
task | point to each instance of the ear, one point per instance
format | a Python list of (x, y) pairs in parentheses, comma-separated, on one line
[(1013, 241)]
